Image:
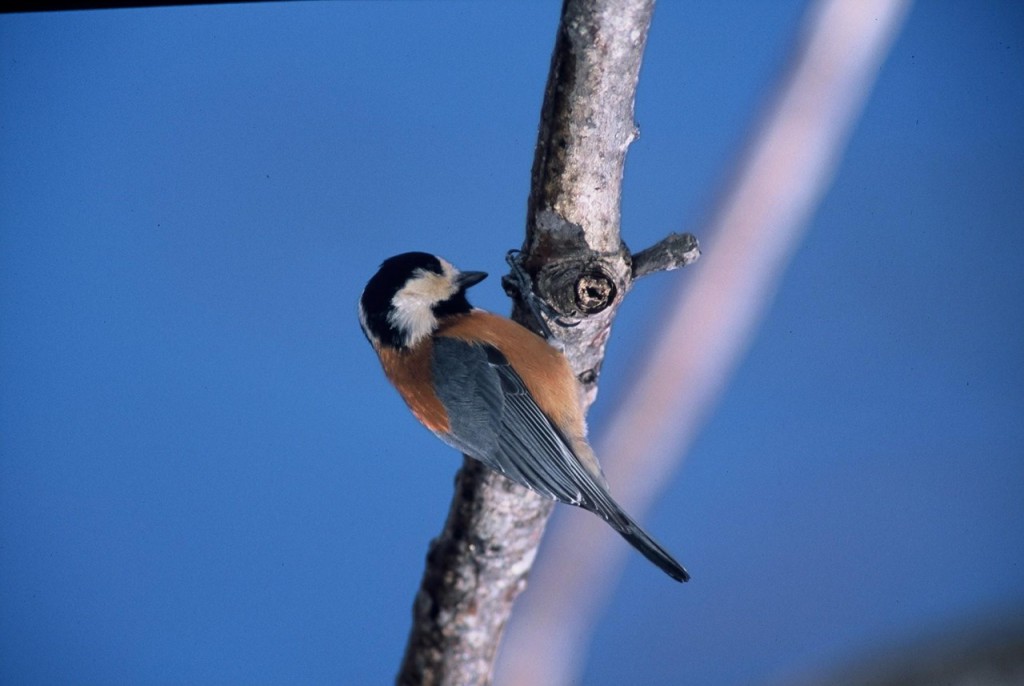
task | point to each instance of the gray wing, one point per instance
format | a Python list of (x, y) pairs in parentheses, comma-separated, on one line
[(495, 419)]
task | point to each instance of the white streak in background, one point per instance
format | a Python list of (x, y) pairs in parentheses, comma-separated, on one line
[(778, 183)]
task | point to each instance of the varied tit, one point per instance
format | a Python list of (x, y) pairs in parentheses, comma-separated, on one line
[(489, 387)]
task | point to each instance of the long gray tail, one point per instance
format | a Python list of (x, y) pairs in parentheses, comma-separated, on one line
[(651, 549), (599, 501)]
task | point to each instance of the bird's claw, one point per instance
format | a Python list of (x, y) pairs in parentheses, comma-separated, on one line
[(538, 307)]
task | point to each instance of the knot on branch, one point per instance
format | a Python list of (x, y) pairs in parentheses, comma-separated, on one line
[(577, 287), (579, 284), (595, 292)]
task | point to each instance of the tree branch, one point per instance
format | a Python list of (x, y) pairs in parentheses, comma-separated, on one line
[(701, 336), (578, 264)]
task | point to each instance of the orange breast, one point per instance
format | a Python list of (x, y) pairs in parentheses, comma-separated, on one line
[(410, 373)]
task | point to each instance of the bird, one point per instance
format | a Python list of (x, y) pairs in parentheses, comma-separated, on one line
[(490, 387)]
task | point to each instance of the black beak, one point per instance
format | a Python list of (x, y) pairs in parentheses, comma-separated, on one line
[(466, 279)]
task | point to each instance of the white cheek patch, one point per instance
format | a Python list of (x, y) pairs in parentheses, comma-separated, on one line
[(412, 309), (412, 317)]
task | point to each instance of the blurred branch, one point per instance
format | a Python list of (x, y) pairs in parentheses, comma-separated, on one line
[(478, 565), (756, 227)]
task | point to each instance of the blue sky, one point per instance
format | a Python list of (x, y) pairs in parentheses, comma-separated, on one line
[(204, 477)]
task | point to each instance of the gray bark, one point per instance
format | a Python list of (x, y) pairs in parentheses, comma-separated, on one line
[(579, 266)]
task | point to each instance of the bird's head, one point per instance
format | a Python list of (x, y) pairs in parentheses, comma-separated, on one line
[(409, 295)]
